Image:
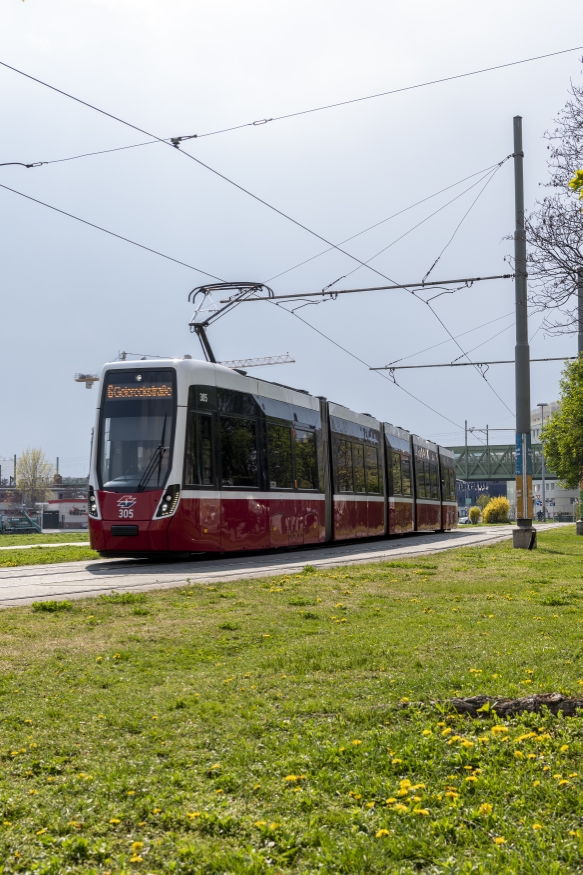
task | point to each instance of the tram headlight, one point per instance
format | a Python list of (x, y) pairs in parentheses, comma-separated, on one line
[(92, 507), (169, 501)]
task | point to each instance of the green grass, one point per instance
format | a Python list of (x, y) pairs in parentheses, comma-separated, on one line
[(45, 556), (258, 726), (58, 538)]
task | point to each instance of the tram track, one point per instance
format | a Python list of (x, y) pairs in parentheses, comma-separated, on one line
[(73, 580)]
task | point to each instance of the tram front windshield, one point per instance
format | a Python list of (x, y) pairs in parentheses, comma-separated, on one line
[(136, 428)]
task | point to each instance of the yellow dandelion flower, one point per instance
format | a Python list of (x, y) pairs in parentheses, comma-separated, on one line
[(499, 840), (273, 825), (427, 732), (260, 823), (396, 761), (192, 814), (447, 731), (564, 747), (99, 658), (156, 810), (422, 811), (131, 792), (471, 778), (382, 832), (573, 774), (115, 820), (536, 784), (537, 826), (136, 859), (518, 754), (563, 783), (136, 846), (356, 742), (486, 808), (33, 792), (369, 805), (390, 800), (41, 831), (400, 807)]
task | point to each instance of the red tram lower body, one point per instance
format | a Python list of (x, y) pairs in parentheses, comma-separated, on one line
[(213, 522)]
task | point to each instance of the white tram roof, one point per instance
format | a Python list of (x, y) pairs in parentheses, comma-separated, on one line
[(447, 454), (396, 431), (360, 418), (192, 371), (421, 442)]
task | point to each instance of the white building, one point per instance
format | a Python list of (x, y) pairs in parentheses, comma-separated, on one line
[(560, 503)]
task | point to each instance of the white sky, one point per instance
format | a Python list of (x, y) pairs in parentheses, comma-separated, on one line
[(73, 297)]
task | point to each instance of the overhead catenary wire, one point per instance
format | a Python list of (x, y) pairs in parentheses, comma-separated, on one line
[(111, 233), (197, 161), (225, 178), (175, 141), (381, 222), (490, 173), (358, 359)]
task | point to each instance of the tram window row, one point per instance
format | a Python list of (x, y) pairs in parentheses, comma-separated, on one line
[(226, 452)]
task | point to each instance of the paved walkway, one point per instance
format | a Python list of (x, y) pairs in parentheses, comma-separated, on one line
[(69, 580)]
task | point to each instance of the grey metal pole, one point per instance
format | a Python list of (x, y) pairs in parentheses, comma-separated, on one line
[(466, 431), (521, 537), (580, 310), (579, 526), (542, 414)]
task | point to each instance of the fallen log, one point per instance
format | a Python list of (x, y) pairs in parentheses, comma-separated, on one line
[(482, 706)]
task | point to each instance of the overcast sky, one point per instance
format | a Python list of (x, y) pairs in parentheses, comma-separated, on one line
[(73, 297)]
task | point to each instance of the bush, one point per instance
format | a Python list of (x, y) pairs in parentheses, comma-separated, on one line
[(496, 511), (474, 515)]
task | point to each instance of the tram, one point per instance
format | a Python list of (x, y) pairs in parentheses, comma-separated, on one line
[(194, 457)]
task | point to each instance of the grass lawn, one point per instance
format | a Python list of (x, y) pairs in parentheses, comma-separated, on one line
[(45, 556), (258, 727), (56, 538)]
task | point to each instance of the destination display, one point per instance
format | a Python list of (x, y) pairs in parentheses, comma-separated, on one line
[(120, 392)]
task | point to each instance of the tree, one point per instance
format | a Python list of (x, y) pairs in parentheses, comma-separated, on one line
[(33, 476), (483, 500), (554, 230), (496, 511), (562, 436), (474, 515)]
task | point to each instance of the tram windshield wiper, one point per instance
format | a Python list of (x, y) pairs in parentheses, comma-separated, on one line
[(156, 459)]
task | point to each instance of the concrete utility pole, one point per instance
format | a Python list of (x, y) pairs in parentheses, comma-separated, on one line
[(524, 536)]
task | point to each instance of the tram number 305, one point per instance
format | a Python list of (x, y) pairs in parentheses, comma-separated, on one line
[(126, 513)]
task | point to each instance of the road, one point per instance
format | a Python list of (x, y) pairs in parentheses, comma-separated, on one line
[(70, 580)]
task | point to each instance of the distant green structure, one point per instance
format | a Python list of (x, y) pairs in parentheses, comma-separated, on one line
[(495, 462)]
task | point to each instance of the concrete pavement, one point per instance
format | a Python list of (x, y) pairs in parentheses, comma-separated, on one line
[(70, 580)]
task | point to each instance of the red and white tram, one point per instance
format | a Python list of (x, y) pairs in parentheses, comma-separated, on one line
[(190, 457)]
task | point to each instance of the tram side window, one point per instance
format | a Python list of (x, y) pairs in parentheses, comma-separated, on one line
[(420, 471), (396, 469), (406, 475), (239, 464), (344, 465), (198, 468), (373, 483), (306, 465), (279, 456), (433, 475), (358, 460), (452, 495)]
